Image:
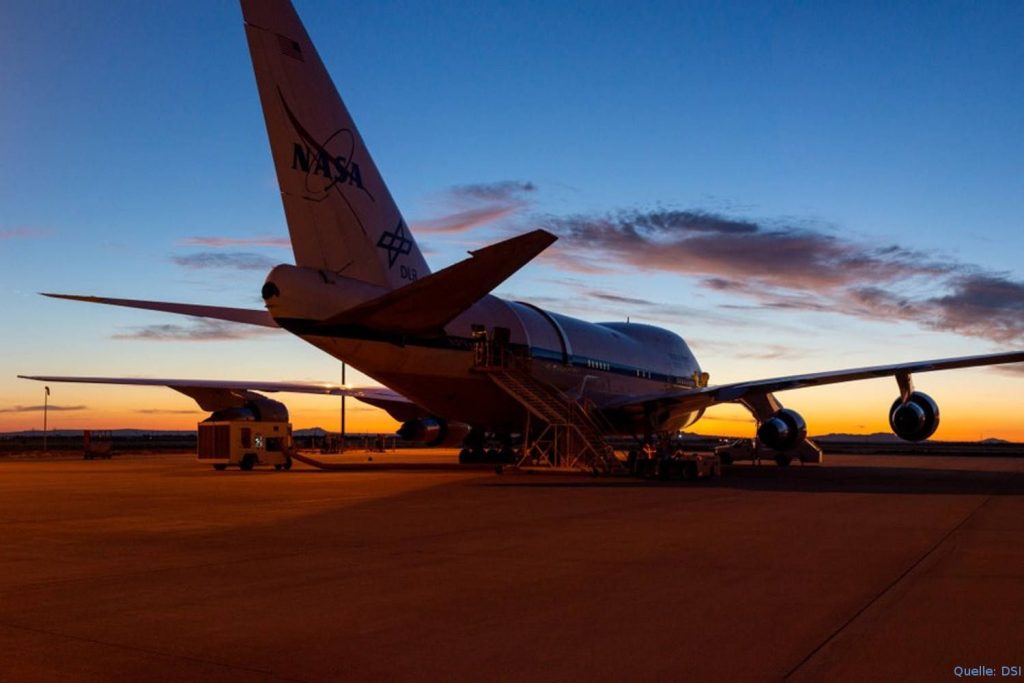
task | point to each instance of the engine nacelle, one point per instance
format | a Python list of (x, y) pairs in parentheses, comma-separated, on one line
[(783, 431), (256, 408), (432, 432), (915, 420)]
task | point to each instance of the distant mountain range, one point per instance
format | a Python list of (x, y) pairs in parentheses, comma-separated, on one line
[(880, 438), (156, 433)]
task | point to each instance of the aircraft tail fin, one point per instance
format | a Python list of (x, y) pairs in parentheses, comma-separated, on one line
[(427, 305), (341, 216)]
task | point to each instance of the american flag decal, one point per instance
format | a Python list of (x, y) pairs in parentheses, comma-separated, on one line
[(290, 47)]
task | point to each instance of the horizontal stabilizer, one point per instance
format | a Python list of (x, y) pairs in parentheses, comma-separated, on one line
[(428, 304), (236, 315)]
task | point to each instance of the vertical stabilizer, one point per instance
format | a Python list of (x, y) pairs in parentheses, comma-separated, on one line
[(341, 216)]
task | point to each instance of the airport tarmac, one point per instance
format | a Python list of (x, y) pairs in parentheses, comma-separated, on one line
[(159, 568)]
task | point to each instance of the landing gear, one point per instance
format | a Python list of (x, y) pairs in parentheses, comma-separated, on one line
[(476, 451), (783, 460)]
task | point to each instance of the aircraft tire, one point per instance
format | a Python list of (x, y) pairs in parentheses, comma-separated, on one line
[(783, 460)]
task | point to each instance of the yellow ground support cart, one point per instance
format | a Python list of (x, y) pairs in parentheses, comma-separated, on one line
[(245, 444)]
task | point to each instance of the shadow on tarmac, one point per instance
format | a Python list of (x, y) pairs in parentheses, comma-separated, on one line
[(811, 479)]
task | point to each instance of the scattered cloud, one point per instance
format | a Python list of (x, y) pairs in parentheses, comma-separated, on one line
[(40, 408), (471, 206), (796, 265), (263, 241), (23, 233), (201, 330), (461, 221), (238, 260), (615, 298), (700, 243), (501, 191)]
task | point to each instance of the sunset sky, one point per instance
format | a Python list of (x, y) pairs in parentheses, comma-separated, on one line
[(790, 187)]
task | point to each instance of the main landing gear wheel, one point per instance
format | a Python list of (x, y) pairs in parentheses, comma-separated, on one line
[(783, 460)]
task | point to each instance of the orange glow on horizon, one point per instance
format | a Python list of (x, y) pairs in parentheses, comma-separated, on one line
[(975, 405)]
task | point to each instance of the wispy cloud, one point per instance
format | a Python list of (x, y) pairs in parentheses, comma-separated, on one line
[(593, 304), (796, 265), (158, 411), (501, 191), (24, 233), (263, 241), (39, 409), (472, 206), (238, 260), (700, 243), (200, 330)]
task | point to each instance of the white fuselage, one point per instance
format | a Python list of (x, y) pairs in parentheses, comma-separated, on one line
[(607, 363)]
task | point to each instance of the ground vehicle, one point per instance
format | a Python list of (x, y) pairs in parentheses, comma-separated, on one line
[(755, 451), (666, 463), (96, 444), (245, 443)]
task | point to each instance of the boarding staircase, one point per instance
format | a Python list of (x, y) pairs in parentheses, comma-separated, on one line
[(575, 434)]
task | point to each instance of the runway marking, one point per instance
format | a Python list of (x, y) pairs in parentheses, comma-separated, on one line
[(158, 653), (938, 544)]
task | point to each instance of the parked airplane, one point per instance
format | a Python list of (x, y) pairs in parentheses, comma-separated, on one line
[(361, 291)]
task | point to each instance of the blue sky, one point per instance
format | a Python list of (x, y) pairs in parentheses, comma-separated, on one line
[(127, 129)]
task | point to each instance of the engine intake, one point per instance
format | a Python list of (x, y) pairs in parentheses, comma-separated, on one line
[(916, 419), (783, 431)]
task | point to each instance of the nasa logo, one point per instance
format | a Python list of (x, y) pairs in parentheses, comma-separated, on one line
[(334, 169), (329, 164)]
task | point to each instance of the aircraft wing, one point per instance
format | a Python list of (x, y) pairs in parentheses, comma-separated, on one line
[(213, 394), (246, 316), (738, 391)]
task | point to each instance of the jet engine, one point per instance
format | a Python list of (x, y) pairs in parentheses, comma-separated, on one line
[(916, 419), (254, 408), (431, 431), (783, 431)]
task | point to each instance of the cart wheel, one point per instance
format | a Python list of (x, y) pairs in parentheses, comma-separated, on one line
[(287, 463), (248, 461), (220, 468)]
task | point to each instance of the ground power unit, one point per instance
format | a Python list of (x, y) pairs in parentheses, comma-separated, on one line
[(245, 444)]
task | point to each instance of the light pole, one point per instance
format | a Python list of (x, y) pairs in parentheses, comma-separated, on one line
[(341, 446), (46, 410)]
